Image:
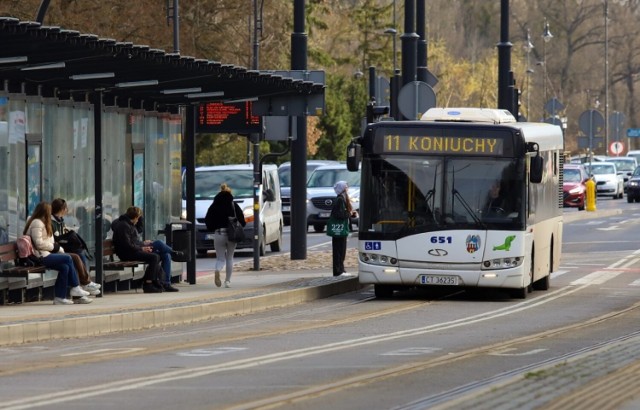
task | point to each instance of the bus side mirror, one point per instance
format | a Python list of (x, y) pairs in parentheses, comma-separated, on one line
[(535, 170), (353, 156)]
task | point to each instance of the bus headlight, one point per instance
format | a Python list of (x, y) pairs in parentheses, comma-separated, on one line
[(376, 259), (502, 263)]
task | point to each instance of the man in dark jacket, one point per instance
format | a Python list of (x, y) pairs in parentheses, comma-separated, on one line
[(129, 248)]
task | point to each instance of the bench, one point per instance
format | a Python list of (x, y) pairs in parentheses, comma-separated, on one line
[(29, 277), (116, 271)]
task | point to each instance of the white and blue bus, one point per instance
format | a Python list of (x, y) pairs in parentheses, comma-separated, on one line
[(464, 197)]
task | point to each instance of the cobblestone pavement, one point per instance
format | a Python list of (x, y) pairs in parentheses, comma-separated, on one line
[(315, 260)]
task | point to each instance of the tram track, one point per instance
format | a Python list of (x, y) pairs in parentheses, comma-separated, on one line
[(293, 354), (467, 394)]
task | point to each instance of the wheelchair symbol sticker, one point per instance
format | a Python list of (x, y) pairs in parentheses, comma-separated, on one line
[(372, 246)]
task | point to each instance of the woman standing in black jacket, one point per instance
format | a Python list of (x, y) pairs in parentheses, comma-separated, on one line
[(216, 220)]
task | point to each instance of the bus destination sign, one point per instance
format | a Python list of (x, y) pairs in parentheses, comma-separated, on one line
[(423, 144), (218, 117)]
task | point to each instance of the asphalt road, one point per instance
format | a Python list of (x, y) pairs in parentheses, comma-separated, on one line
[(573, 346)]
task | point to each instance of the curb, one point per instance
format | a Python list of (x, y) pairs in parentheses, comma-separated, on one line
[(149, 318)]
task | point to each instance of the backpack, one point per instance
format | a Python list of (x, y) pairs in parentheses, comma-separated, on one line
[(26, 257)]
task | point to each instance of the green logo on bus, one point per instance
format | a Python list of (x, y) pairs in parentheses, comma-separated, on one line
[(506, 245)]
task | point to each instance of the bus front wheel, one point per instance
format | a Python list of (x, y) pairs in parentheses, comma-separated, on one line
[(383, 291)]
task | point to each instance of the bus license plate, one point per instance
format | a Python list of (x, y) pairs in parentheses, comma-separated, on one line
[(324, 214), (438, 280)]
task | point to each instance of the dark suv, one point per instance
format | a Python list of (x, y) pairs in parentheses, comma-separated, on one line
[(633, 187)]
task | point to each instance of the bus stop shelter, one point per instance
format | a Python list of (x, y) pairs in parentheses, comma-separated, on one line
[(55, 63)]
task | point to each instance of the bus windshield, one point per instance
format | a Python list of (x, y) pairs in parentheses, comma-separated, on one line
[(405, 196)]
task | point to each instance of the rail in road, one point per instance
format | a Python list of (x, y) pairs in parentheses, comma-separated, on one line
[(542, 383)]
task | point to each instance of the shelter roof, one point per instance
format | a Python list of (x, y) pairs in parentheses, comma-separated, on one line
[(52, 61)]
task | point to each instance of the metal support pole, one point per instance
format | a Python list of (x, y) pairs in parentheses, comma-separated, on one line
[(97, 183), (422, 40), (409, 44), (299, 146), (176, 27), (191, 116), (504, 59), (606, 75), (257, 181)]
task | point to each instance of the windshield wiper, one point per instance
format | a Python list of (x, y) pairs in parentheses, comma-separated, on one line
[(468, 208)]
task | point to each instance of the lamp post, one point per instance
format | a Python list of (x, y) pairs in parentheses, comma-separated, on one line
[(393, 32), (606, 74), (546, 37), (528, 47)]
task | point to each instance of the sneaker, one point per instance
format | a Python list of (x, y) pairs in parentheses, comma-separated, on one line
[(62, 301), (78, 291), (95, 292), (150, 288), (345, 275), (82, 300), (227, 284), (217, 279), (91, 286), (168, 288), (159, 285)]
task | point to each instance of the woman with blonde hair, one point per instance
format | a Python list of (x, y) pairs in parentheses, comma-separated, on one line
[(216, 220), (38, 227)]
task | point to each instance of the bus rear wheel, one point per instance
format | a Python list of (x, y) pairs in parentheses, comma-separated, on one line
[(383, 291)]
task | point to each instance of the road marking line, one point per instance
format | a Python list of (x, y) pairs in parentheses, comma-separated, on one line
[(596, 278)]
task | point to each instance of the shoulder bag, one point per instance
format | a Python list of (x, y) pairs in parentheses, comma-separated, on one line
[(338, 227), (235, 230)]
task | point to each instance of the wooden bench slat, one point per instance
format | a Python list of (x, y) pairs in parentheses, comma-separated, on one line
[(9, 254)]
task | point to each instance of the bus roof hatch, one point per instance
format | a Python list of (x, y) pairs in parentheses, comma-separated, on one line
[(484, 115)]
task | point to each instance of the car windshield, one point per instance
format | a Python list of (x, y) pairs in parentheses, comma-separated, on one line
[(322, 178), (285, 176), (208, 183), (571, 175), (602, 169), (624, 165)]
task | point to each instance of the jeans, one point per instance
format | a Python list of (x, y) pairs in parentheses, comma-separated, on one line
[(67, 275), (224, 252), (164, 251)]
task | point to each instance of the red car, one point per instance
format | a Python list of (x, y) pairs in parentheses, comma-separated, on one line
[(573, 188)]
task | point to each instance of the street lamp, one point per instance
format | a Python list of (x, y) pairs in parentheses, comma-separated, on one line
[(528, 47), (546, 37), (392, 31)]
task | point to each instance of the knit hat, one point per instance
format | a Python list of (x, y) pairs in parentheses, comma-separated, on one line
[(340, 187)]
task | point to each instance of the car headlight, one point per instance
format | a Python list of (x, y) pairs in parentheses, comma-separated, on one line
[(577, 190), (248, 214), (634, 183)]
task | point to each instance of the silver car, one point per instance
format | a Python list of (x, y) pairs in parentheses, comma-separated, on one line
[(320, 193)]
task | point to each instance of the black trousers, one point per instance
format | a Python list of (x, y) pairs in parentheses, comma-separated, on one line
[(339, 246), (151, 259)]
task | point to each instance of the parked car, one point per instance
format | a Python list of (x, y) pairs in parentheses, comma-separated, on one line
[(608, 181), (284, 172), (320, 193), (239, 177), (633, 188), (573, 186)]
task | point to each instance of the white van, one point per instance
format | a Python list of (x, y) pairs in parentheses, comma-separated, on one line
[(240, 179)]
